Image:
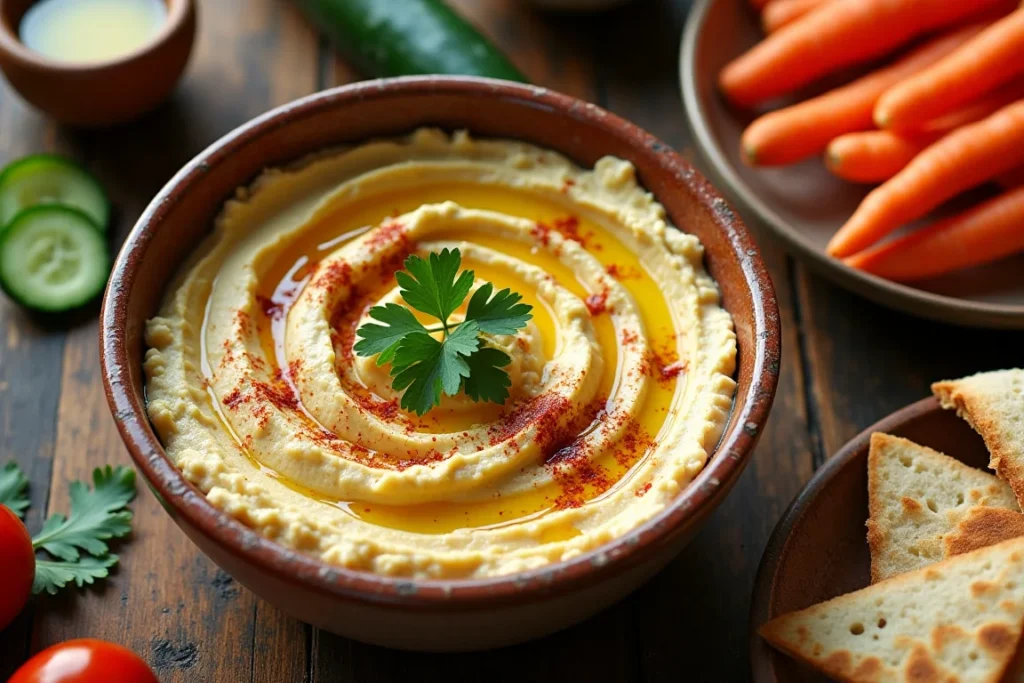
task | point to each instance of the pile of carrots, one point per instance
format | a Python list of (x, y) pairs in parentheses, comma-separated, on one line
[(942, 115)]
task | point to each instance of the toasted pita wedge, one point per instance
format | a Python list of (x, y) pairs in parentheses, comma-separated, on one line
[(993, 403), (960, 619), (982, 527), (918, 496)]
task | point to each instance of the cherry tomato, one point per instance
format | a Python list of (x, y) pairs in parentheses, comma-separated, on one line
[(17, 568), (85, 661)]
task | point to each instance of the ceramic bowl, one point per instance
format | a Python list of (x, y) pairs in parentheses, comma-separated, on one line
[(804, 204), (99, 93), (819, 549), (434, 614)]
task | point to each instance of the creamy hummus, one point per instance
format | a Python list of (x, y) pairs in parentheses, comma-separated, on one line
[(621, 382)]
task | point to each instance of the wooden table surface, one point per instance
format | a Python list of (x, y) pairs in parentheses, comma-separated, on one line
[(846, 363)]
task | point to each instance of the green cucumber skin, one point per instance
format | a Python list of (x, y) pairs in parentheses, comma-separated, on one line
[(408, 37), (62, 307), (11, 168)]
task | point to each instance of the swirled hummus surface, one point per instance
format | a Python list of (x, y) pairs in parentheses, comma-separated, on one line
[(621, 382)]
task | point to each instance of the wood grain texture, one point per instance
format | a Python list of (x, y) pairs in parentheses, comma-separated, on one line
[(30, 367), (869, 361)]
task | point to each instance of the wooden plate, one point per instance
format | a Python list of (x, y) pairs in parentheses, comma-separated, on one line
[(819, 548), (804, 204)]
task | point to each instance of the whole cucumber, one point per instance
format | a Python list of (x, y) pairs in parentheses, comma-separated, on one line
[(404, 37)]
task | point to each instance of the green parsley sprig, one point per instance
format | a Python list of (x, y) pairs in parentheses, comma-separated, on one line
[(78, 542), (424, 367), (14, 489)]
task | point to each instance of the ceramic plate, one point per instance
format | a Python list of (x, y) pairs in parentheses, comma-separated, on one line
[(805, 204), (819, 548)]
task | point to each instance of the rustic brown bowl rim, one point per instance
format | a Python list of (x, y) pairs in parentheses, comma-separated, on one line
[(885, 292), (177, 13), (181, 497), (778, 543)]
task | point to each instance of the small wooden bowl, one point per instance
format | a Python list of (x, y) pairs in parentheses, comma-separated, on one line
[(819, 548), (99, 93), (433, 614)]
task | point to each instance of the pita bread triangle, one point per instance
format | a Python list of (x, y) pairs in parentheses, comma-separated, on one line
[(993, 404), (960, 619), (982, 527), (925, 506)]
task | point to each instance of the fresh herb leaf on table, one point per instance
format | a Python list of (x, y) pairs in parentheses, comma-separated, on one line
[(97, 515), (52, 576), (14, 489), (424, 367)]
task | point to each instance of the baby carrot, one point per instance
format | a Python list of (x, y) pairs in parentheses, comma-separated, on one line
[(877, 155), (804, 129), (966, 157), (1012, 178), (980, 235), (850, 32), (779, 13), (874, 155), (991, 58), (978, 109)]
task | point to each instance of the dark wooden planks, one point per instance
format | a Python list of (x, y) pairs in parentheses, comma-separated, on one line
[(30, 366), (868, 360), (168, 602), (552, 51)]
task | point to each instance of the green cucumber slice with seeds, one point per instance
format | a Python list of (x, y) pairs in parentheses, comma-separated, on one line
[(49, 179), (53, 259)]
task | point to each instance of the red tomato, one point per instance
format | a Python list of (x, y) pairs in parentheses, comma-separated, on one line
[(85, 661), (18, 567)]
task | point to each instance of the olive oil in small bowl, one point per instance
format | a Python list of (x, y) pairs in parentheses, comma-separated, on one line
[(85, 31), (95, 63)]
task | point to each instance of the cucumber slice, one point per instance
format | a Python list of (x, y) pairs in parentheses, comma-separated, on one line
[(48, 179), (53, 259)]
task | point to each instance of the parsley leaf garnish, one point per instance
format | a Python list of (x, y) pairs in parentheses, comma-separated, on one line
[(52, 576), (384, 339), (97, 515), (486, 380), (425, 367), (502, 314), (435, 289), (14, 489)]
